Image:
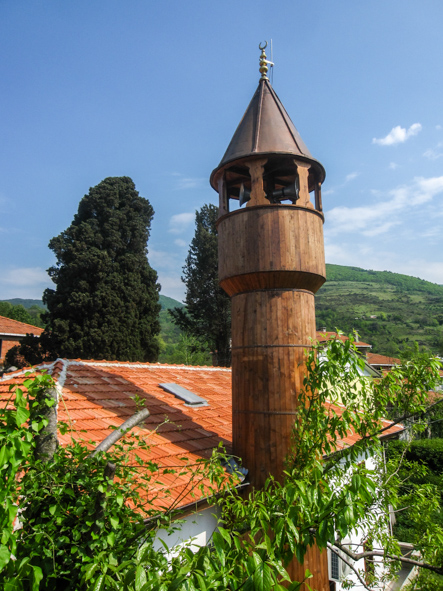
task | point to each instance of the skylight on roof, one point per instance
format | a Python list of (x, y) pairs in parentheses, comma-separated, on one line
[(189, 398)]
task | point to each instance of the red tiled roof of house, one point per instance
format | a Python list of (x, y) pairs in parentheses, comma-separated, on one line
[(352, 437), (326, 336), (376, 359), (97, 395), (14, 327)]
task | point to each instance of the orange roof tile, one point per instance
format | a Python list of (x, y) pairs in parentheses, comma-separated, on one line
[(352, 437), (8, 326), (97, 395), (326, 336), (376, 359)]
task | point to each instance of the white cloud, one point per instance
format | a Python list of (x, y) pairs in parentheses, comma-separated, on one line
[(351, 176), (338, 254), (398, 135), (180, 222), (380, 228), (376, 218), (160, 259), (433, 232), (348, 178), (438, 127), (183, 182), (181, 243), (425, 269), (393, 165), (432, 154), (426, 189), (354, 254), (23, 282), (172, 286), (26, 276)]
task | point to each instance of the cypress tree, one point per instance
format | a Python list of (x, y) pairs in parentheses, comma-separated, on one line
[(207, 315), (105, 305)]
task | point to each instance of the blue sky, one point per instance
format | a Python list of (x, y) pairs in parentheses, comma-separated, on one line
[(155, 90)]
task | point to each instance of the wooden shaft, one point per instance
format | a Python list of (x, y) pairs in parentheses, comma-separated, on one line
[(317, 563), (271, 330)]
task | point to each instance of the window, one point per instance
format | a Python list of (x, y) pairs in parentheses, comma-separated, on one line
[(187, 396), (335, 566)]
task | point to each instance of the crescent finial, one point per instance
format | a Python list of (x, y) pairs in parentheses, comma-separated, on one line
[(263, 61)]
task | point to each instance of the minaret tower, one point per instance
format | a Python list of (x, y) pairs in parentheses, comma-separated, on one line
[(271, 263)]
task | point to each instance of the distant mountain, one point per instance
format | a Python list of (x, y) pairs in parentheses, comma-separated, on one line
[(389, 310), (168, 303), (165, 302), (25, 303), (406, 282)]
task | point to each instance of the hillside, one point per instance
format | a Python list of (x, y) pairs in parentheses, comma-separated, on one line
[(26, 303), (389, 310), (165, 302), (168, 303)]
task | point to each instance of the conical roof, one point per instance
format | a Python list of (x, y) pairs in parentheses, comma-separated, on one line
[(265, 129)]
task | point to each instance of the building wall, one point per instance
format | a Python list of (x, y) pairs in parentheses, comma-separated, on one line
[(355, 544), (196, 530)]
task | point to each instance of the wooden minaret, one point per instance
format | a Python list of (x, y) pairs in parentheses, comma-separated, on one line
[(271, 263)]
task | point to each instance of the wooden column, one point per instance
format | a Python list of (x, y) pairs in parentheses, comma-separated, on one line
[(258, 196), (271, 330), (318, 201), (223, 206), (303, 173)]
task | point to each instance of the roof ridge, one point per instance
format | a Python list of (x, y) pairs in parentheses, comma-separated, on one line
[(146, 365), (9, 376), (285, 116), (258, 120)]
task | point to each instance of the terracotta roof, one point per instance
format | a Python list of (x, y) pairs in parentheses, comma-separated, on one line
[(16, 328), (326, 336), (352, 437), (376, 359), (99, 394)]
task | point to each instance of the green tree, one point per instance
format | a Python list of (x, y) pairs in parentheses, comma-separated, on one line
[(207, 315), (105, 304), (31, 351), (19, 313), (188, 351)]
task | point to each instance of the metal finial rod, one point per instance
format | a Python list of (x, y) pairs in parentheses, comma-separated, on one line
[(263, 61)]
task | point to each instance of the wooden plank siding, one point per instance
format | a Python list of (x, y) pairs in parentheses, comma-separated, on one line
[(271, 246)]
